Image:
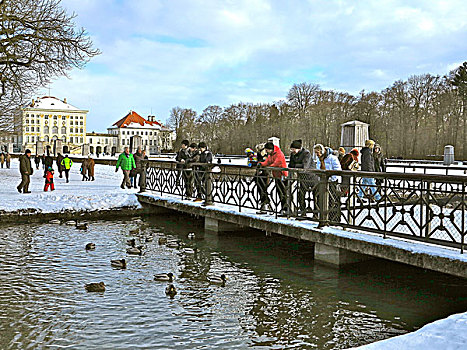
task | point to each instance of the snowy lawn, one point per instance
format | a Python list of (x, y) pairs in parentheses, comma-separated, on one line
[(101, 194)]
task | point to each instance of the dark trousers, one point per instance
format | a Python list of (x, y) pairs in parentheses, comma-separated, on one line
[(67, 171), (200, 176), (282, 192), (142, 179), (188, 179), (262, 185), (24, 185)]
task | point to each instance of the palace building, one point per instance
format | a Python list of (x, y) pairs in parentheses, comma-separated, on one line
[(48, 119)]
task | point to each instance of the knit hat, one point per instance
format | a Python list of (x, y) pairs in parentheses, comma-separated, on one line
[(269, 145), (185, 142), (193, 145), (355, 152), (202, 145), (341, 150), (27, 151), (296, 144), (249, 150)]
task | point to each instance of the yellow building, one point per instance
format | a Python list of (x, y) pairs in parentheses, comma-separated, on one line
[(48, 119)]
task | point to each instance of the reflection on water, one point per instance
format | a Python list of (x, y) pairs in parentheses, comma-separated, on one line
[(275, 296)]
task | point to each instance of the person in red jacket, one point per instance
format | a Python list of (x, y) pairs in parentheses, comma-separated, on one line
[(276, 159), (49, 179)]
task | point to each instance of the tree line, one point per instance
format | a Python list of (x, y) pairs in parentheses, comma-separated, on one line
[(414, 118)]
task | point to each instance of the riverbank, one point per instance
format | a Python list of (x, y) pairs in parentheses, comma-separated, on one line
[(91, 198)]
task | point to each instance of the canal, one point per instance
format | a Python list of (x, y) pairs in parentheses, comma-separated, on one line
[(275, 297)]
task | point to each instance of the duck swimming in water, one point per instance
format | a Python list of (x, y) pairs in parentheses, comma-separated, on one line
[(55, 221), (189, 250), (220, 280), (191, 235), (118, 264), (164, 277), (135, 250), (95, 287), (90, 246), (162, 240), (173, 244), (131, 242), (170, 290), (81, 226)]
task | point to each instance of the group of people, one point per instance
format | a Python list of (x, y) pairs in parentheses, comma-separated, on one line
[(5, 159), (191, 158), (133, 166), (63, 164)]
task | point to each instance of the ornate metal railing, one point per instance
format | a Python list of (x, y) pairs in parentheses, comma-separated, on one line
[(429, 208)]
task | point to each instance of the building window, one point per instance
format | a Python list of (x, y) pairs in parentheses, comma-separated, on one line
[(81, 140), (38, 129), (63, 130), (46, 138), (27, 121), (80, 123), (32, 138), (146, 133), (81, 130), (63, 117), (90, 140), (150, 142), (54, 130), (64, 139), (150, 133), (46, 117), (146, 142), (27, 128), (55, 117), (123, 132), (46, 129)]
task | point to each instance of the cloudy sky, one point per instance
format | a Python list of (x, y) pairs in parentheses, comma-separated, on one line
[(158, 54)]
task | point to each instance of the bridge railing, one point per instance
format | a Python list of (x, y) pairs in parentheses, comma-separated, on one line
[(428, 208)]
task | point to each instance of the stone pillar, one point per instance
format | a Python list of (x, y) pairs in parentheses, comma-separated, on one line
[(448, 158), (9, 147), (58, 147), (337, 256), (215, 225), (354, 134), (275, 141), (135, 142), (85, 149), (39, 147)]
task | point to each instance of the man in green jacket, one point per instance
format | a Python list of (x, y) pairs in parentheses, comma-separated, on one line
[(26, 171), (126, 162), (66, 163)]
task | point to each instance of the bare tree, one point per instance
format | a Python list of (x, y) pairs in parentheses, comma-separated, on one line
[(459, 81), (38, 42), (301, 96)]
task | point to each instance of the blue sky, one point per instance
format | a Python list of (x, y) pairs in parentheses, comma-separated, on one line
[(158, 54)]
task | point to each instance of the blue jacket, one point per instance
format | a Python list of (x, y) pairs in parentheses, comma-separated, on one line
[(331, 162)]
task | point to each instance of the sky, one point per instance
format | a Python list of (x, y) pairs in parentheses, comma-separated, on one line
[(159, 54)]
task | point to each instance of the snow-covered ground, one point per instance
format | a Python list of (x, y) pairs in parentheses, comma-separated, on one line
[(102, 194), (447, 334)]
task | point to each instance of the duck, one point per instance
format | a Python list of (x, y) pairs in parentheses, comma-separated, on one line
[(191, 235), (149, 239), (81, 226), (134, 231), (220, 280), (70, 222), (55, 221), (162, 240), (189, 250), (119, 264), (90, 246), (170, 290), (135, 250), (95, 287), (131, 242), (173, 244), (164, 277)]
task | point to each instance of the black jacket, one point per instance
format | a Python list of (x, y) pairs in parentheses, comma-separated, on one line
[(205, 157), (368, 162), (301, 160)]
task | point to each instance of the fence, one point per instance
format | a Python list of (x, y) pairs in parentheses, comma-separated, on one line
[(429, 208)]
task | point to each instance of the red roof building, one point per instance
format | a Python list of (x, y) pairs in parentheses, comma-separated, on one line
[(133, 118)]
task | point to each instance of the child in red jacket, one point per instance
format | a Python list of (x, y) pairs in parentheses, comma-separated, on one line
[(49, 179)]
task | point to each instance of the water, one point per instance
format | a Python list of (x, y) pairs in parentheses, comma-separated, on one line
[(275, 296)]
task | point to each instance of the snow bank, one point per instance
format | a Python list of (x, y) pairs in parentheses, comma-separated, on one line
[(102, 194), (447, 334)]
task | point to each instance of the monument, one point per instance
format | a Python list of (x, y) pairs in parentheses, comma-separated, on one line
[(39, 147), (85, 149), (58, 147)]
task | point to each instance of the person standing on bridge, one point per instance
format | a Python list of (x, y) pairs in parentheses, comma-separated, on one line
[(328, 161), (205, 156), (181, 158), (368, 164), (193, 157), (380, 165), (126, 162), (276, 159), (300, 158), (66, 163)]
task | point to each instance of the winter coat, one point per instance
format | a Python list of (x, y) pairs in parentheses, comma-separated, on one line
[(182, 154), (330, 162), (91, 165), (277, 160), (49, 177), (348, 162), (8, 158), (368, 162), (193, 158), (2, 158), (126, 162), (301, 160), (66, 163), (37, 160), (205, 157), (25, 165), (138, 158), (380, 166), (84, 167), (59, 162)]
